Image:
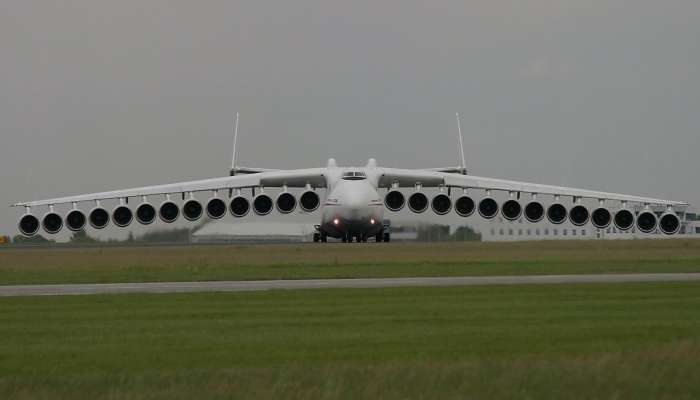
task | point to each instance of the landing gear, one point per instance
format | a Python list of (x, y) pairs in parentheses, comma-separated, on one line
[(320, 237), (317, 237), (387, 237)]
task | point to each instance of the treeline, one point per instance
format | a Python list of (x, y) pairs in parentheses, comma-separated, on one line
[(82, 237), (441, 233)]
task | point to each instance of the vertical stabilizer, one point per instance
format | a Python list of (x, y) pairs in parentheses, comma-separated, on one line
[(235, 152), (461, 145)]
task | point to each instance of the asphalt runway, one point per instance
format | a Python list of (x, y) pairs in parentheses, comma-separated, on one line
[(246, 286)]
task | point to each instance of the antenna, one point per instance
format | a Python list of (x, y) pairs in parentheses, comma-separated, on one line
[(235, 152), (461, 144)]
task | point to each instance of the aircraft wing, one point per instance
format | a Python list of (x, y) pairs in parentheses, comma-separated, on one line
[(315, 177), (428, 178)]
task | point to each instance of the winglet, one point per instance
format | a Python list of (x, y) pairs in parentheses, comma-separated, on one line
[(235, 142), (461, 144)]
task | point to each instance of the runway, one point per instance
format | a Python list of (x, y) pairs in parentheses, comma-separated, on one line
[(247, 286)]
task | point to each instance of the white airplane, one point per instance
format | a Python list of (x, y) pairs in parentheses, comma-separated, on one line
[(353, 208)]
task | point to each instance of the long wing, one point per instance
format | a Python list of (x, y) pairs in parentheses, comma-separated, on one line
[(428, 178), (315, 177)]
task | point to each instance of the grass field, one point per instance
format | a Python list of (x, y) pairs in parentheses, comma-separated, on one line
[(246, 262), (617, 341)]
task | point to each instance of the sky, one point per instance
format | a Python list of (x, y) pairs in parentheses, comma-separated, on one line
[(98, 95)]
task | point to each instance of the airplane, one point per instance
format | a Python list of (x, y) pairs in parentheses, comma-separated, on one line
[(354, 205)]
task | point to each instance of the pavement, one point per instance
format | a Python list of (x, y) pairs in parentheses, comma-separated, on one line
[(246, 286)]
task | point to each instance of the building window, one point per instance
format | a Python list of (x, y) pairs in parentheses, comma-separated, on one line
[(697, 229), (546, 232), (537, 232), (608, 231), (520, 232), (500, 232), (565, 232), (556, 232), (583, 232), (510, 232)]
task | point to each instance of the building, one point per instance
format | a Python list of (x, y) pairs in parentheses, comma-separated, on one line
[(246, 231)]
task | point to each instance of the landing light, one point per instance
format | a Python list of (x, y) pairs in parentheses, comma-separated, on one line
[(371, 221), (336, 221)]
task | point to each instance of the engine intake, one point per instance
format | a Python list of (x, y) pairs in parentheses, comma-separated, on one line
[(418, 202), (395, 200), (122, 216), (441, 204), (240, 206), (145, 214), (511, 210), (28, 225), (669, 223), (309, 201), (286, 203), (193, 210), (601, 218), (169, 212), (624, 220), (52, 223), (76, 220), (534, 211), (216, 208), (99, 218), (465, 206), (556, 214), (579, 215), (262, 204), (646, 221), (488, 207)]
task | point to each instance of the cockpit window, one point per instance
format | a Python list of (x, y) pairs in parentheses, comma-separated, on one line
[(354, 176)]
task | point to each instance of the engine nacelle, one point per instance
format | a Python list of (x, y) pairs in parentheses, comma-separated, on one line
[(534, 211), (286, 203), (216, 208), (262, 204), (76, 220), (309, 201), (646, 221), (556, 213), (169, 212), (624, 219), (441, 204), (601, 218), (465, 206), (488, 207), (145, 214), (52, 223), (122, 216), (193, 210), (511, 210), (98, 218), (579, 215), (395, 200), (28, 225), (239, 206), (418, 202), (669, 223)]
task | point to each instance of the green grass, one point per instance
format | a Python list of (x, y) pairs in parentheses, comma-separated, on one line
[(250, 262), (639, 341)]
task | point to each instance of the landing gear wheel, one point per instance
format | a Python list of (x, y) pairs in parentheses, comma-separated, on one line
[(387, 237), (317, 237), (324, 238), (379, 236)]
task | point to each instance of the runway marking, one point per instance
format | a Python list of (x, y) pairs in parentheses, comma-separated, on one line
[(245, 286)]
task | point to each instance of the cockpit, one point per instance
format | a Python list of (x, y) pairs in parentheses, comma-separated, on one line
[(354, 176)]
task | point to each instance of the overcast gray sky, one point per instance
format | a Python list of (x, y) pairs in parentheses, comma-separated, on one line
[(98, 95)]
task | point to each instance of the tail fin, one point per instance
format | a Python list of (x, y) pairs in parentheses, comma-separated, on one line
[(461, 144), (235, 153)]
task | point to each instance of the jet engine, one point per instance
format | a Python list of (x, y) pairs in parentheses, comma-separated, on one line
[(99, 218), (488, 207), (465, 206), (556, 213), (309, 201), (417, 202), (145, 214), (669, 223), (441, 204), (395, 200), (192, 210), (624, 219), (511, 210), (646, 221), (601, 218), (169, 212), (239, 207), (28, 225), (579, 215), (52, 223), (262, 204), (76, 220), (286, 203), (534, 211), (122, 216), (216, 208)]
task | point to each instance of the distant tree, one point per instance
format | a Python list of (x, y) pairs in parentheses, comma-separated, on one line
[(38, 239), (433, 233), (466, 233), (82, 237), (169, 236)]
